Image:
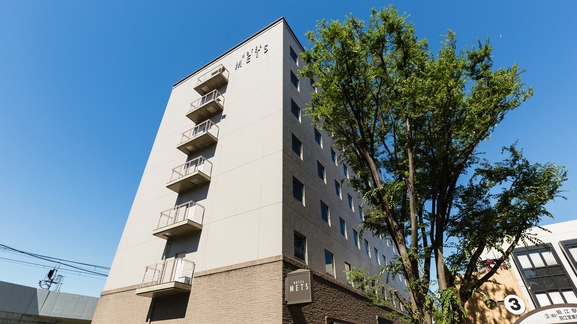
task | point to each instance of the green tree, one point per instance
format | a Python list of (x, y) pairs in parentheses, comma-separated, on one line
[(410, 124)]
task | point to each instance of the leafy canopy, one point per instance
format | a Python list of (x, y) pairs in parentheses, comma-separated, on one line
[(410, 124)]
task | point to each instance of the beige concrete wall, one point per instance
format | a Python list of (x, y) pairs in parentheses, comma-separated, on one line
[(507, 285), (242, 220)]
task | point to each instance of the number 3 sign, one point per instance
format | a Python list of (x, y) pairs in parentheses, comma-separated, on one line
[(514, 304)]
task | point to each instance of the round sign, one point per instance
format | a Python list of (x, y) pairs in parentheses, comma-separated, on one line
[(514, 304)]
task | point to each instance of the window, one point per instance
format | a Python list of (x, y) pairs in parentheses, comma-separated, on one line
[(296, 110), (318, 137), (313, 85), (541, 271), (361, 216), (343, 227), (337, 188), (329, 263), (298, 190), (321, 171), (293, 55), (356, 238), (325, 213), (350, 199), (347, 270), (345, 170), (300, 246), (384, 260), (376, 255), (367, 248), (570, 249), (333, 155), (297, 146), (294, 80)]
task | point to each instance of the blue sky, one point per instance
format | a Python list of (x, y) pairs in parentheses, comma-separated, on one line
[(83, 86)]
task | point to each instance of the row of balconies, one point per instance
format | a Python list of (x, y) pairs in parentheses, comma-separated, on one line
[(174, 276)]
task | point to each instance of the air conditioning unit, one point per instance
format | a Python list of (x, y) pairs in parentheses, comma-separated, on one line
[(186, 280)]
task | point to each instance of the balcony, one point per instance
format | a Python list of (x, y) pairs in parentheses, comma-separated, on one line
[(198, 138), (211, 80), (206, 106), (170, 277), (190, 175), (181, 220)]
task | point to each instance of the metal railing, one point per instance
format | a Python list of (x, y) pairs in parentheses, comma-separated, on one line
[(205, 127), (175, 269), (214, 95), (199, 164), (219, 69), (189, 210)]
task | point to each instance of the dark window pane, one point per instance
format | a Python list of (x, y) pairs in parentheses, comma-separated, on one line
[(562, 281), (333, 155), (329, 262), (296, 110), (297, 145), (298, 190), (539, 284), (300, 246), (293, 54), (318, 137), (324, 212), (294, 80), (321, 171)]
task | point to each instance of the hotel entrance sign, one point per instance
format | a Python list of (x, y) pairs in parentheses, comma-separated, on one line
[(298, 287)]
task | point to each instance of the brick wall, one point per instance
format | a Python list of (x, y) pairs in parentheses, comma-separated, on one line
[(330, 299), (251, 292)]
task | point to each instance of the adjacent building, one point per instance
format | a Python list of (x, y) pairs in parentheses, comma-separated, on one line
[(240, 191), (541, 278), (28, 305)]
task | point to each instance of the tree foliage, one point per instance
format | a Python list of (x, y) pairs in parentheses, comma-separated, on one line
[(410, 123)]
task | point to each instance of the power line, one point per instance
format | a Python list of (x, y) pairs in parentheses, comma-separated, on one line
[(63, 262), (43, 266)]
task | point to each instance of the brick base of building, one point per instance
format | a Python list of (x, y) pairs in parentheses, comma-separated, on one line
[(251, 292)]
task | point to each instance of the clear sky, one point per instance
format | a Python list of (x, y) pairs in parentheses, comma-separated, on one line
[(83, 86)]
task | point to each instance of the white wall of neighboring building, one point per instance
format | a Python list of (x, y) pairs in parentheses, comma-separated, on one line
[(554, 234)]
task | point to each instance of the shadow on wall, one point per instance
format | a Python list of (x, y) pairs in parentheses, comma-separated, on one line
[(478, 310), (166, 308)]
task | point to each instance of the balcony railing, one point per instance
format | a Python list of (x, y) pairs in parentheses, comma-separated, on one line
[(198, 138), (190, 175), (172, 276), (213, 79), (206, 106), (181, 220)]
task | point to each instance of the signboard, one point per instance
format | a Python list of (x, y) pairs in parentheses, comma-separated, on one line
[(514, 304), (299, 287), (553, 314)]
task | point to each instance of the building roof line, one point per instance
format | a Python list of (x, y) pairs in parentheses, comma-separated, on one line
[(274, 23)]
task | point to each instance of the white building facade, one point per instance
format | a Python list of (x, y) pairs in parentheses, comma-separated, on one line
[(239, 190), (547, 275)]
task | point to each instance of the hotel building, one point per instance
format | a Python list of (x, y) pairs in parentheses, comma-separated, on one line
[(240, 191)]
